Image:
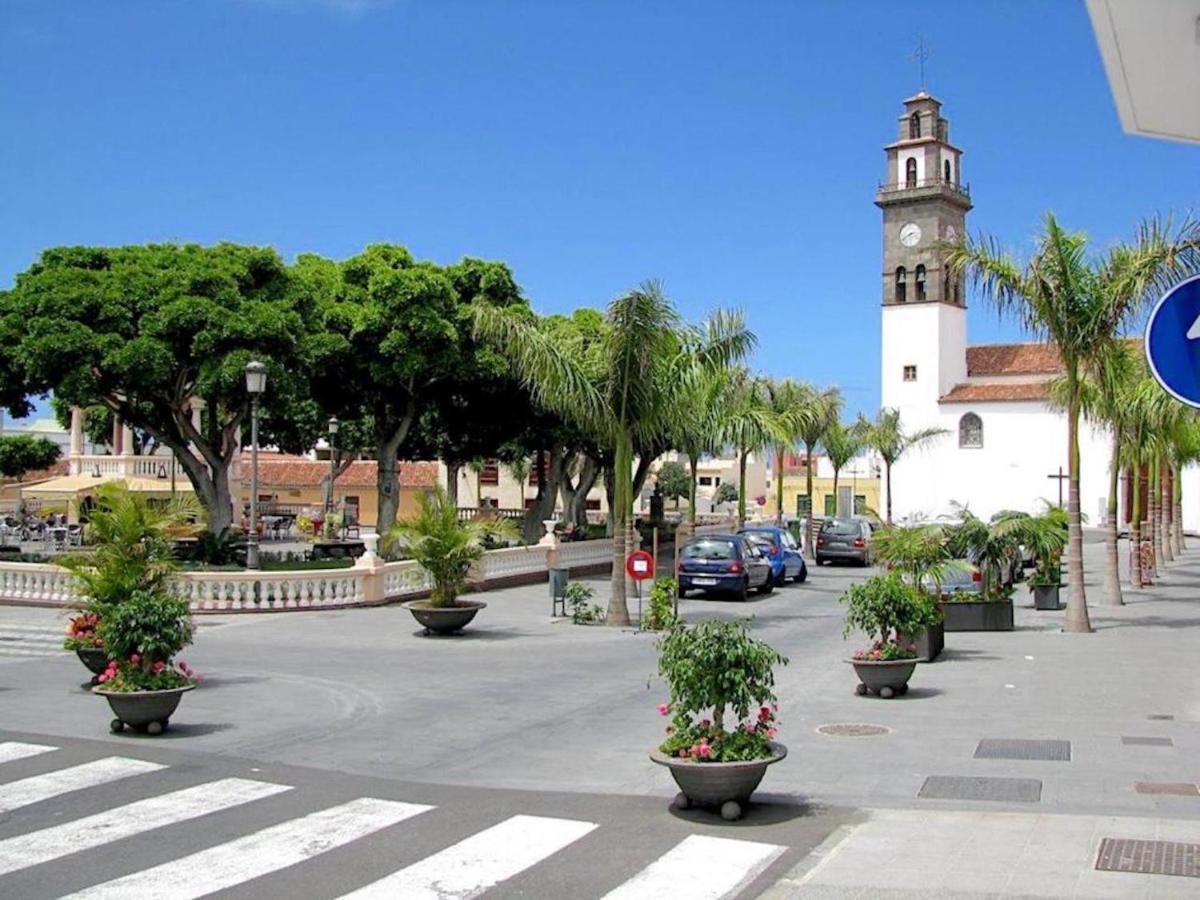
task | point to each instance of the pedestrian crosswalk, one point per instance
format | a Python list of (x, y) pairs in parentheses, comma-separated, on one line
[(26, 641), (261, 838)]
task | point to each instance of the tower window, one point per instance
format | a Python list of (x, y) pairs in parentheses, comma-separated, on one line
[(901, 284), (970, 432), (910, 172), (920, 283), (914, 125), (946, 170), (910, 373)]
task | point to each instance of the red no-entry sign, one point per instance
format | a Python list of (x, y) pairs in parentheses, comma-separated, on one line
[(639, 565)]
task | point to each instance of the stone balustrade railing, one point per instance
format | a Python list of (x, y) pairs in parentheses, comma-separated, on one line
[(369, 581)]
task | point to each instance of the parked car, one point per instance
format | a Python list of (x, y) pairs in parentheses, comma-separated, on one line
[(729, 563), (848, 539), (783, 553)]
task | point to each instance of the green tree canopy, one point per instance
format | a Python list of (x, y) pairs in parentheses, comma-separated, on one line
[(673, 480), (21, 453)]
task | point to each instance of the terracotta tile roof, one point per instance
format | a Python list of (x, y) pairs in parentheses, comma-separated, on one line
[(283, 470), (1013, 359), (995, 393)]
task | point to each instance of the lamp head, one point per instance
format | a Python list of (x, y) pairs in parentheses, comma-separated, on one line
[(256, 378)]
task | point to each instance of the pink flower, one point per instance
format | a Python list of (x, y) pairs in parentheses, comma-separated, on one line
[(663, 709), (135, 659), (750, 728), (103, 678), (704, 723), (158, 666), (770, 734), (705, 751), (703, 742), (683, 754), (764, 714)]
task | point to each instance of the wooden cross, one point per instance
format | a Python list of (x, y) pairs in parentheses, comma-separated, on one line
[(919, 56), (1060, 477)]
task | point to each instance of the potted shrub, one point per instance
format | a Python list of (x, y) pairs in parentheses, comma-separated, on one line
[(921, 555), (660, 611), (143, 682), (1045, 537), (994, 550), (884, 607), (130, 550), (723, 714), (446, 548)]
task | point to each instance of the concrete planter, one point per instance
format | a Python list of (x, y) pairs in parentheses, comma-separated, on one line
[(725, 785), (1045, 596), (145, 711), (444, 619), (977, 615), (884, 678), (930, 641)]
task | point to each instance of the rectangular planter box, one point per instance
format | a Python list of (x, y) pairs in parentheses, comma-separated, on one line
[(978, 615), (1045, 596), (929, 640)]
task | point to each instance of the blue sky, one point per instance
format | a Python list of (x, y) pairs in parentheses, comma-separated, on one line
[(731, 150)]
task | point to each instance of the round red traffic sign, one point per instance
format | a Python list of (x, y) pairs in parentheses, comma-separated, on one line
[(639, 565)]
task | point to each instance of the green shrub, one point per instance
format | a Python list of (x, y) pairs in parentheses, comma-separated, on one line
[(141, 637), (660, 614), (579, 601), (885, 607)]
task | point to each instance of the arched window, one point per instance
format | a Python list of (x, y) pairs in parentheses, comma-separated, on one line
[(920, 283), (946, 169), (910, 172), (970, 432), (914, 125), (901, 284)]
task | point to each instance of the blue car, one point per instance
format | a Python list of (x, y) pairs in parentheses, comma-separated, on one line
[(728, 563), (783, 553)]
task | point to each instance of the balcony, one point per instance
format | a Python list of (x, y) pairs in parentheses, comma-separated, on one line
[(919, 189)]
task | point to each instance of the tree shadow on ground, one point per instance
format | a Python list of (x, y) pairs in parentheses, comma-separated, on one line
[(1144, 622)]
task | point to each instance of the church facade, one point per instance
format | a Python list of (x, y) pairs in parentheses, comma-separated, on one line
[(1005, 447)]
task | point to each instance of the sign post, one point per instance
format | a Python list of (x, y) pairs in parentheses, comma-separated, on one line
[(639, 565)]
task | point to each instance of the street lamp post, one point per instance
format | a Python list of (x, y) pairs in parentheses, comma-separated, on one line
[(256, 383), (333, 430)]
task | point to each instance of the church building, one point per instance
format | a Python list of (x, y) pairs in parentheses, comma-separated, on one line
[(1005, 447)]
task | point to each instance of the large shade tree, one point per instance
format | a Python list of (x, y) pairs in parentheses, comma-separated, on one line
[(1078, 304), (21, 453), (145, 330), (624, 396)]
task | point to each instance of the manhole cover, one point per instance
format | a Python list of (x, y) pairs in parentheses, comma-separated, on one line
[(1009, 748), (851, 729), (951, 787), (1149, 857)]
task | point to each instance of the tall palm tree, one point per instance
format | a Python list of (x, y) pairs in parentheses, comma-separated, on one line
[(1078, 306), (1185, 450), (1147, 407), (887, 437), (793, 405), (627, 393), (842, 443), (825, 406), (703, 404), (750, 426)]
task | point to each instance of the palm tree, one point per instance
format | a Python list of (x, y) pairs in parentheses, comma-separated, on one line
[(793, 405), (703, 404), (1078, 306), (750, 426), (824, 409), (627, 393), (887, 437), (1185, 450), (519, 469), (1148, 406), (842, 443)]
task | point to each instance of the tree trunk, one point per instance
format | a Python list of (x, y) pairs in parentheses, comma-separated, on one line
[(387, 450), (618, 609), (1167, 511), (550, 474), (836, 511), (1136, 576), (1177, 506), (1155, 517), (574, 496), (1077, 614), (810, 528), (610, 497), (779, 487), (452, 470), (1112, 552), (692, 493), (742, 487), (341, 462), (887, 472)]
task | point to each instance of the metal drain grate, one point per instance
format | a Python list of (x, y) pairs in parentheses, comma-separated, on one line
[(1148, 741), (1011, 748), (1181, 788), (853, 729), (1149, 857), (954, 787)]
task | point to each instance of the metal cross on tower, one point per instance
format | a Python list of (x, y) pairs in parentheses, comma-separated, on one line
[(919, 56)]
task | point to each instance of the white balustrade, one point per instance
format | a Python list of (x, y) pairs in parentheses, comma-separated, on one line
[(584, 553), (513, 561)]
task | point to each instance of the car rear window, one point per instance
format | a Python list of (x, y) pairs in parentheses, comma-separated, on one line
[(840, 528), (709, 550), (761, 538)]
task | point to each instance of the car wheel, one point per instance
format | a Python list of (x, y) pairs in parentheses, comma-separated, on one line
[(802, 575), (681, 593), (742, 594), (769, 585)]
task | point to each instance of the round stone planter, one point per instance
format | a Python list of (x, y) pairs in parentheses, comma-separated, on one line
[(95, 659), (147, 711), (724, 785), (444, 619), (886, 679)]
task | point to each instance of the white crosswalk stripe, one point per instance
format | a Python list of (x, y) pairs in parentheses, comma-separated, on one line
[(483, 860), (134, 818), (30, 640), (11, 750), (257, 854), (700, 868), (37, 788)]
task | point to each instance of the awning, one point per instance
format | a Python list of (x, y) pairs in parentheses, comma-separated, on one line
[(85, 485)]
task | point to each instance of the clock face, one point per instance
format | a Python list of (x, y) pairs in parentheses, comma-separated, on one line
[(910, 234)]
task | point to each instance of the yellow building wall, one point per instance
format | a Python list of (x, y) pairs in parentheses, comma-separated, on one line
[(368, 505), (794, 487)]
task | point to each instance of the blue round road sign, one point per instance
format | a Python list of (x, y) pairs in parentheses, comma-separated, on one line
[(1173, 341)]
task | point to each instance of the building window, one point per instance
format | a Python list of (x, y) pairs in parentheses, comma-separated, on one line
[(803, 504), (946, 169), (901, 284), (716, 481), (920, 283), (910, 172), (705, 481), (592, 503), (490, 473), (910, 373), (914, 125), (860, 504), (830, 506), (970, 431)]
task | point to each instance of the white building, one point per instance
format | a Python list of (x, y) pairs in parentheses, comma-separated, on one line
[(1005, 446)]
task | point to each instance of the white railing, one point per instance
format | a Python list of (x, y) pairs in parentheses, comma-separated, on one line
[(44, 584), (153, 466)]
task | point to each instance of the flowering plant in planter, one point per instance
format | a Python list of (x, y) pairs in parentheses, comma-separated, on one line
[(887, 606), (142, 636), (712, 670), (82, 632)]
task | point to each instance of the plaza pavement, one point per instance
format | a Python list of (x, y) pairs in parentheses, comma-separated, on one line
[(540, 712)]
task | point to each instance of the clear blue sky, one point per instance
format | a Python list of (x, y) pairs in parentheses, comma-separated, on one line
[(730, 149)]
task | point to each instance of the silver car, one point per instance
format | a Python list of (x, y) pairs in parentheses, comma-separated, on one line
[(845, 539)]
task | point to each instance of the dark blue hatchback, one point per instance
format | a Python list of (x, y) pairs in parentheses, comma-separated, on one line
[(782, 552), (730, 563)]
